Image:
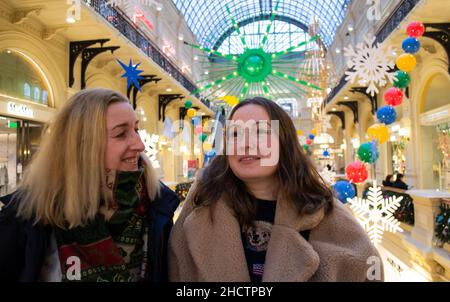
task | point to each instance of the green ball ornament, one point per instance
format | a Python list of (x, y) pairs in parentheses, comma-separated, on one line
[(368, 153), (204, 137), (306, 147), (254, 64), (403, 79), (188, 104)]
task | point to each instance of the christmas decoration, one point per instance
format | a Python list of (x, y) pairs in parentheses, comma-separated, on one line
[(344, 190), (204, 136), (378, 133), (132, 74), (411, 45), (386, 115), (311, 136), (370, 65), (326, 153), (376, 213), (254, 71), (393, 96), (406, 62), (151, 150), (182, 189), (368, 152), (198, 129), (402, 80), (188, 104), (442, 230), (356, 172), (405, 213), (415, 29), (191, 112)]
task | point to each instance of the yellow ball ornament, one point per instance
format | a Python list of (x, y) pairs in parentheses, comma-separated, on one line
[(191, 112), (207, 147), (231, 100), (314, 131), (299, 132), (406, 62), (379, 133)]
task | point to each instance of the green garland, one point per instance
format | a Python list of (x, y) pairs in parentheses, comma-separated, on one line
[(442, 230), (405, 212)]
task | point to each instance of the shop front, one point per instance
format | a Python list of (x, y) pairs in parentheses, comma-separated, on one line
[(25, 101)]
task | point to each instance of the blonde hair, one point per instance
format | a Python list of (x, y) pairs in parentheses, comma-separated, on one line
[(64, 183)]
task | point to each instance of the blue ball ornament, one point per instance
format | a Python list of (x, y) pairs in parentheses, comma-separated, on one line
[(195, 120), (326, 153), (311, 136), (344, 190), (386, 115), (411, 45)]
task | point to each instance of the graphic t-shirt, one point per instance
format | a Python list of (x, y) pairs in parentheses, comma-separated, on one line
[(256, 238)]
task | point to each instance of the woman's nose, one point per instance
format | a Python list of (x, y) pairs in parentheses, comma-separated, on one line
[(137, 143)]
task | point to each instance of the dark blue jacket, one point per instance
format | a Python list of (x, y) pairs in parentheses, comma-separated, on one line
[(23, 245)]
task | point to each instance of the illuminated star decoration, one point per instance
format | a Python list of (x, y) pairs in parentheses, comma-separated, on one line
[(255, 71), (132, 74)]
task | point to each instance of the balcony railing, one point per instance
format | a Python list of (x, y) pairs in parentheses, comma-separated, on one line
[(125, 26)]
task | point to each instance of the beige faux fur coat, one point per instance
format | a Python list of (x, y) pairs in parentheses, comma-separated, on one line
[(338, 248)]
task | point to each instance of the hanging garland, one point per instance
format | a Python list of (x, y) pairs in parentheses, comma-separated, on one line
[(442, 230)]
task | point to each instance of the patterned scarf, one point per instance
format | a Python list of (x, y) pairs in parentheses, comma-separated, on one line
[(113, 247)]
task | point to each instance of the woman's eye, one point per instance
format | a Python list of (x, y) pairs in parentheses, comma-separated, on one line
[(136, 130), (122, 134)]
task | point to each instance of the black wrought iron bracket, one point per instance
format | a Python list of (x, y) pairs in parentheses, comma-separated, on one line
[(132, 90), (372, 99), (163, 101), (442, 36), (353, 105), (75, 48), (340, 115), (87, 55)]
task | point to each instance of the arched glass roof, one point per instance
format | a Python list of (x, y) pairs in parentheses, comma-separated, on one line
[(210, 22)]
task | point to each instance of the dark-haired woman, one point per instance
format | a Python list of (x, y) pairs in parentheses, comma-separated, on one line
[(252, 218)]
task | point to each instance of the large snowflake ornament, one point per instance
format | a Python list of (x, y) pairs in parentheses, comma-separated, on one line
[(328, 176), (150, 141), (376, 213), (369, 65)]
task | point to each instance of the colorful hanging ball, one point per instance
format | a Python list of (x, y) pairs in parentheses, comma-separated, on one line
[(326, 153), (204, 137), (415, 29), (305, 147), (188, 104), (314, 131), (198, 129), (308, 141), (386, 115), (356, 172), (299, 132), (311, 136), (344, 190), (368, 152), (195, 120), (411, 45), (378, 133), (402, 80), (211, 153), (191, 112), (394, 96), (406, 62), (207, 147)]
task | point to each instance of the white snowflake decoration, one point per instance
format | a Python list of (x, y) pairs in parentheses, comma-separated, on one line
[(376, 213), (151, 150), (328, 176), (369, 65)]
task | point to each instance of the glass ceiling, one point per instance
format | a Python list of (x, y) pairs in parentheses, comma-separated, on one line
[(210, 22)]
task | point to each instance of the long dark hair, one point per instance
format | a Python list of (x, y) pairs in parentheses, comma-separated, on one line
[(299, 182)]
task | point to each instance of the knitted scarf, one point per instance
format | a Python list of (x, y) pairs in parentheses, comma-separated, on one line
[(112, 247)]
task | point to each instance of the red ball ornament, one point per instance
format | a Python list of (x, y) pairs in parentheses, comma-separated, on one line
[(356, 172), (415, 29), (394, 96), (308, 141)]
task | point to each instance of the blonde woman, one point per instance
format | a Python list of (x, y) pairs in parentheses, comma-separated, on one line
[(90, 207)]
